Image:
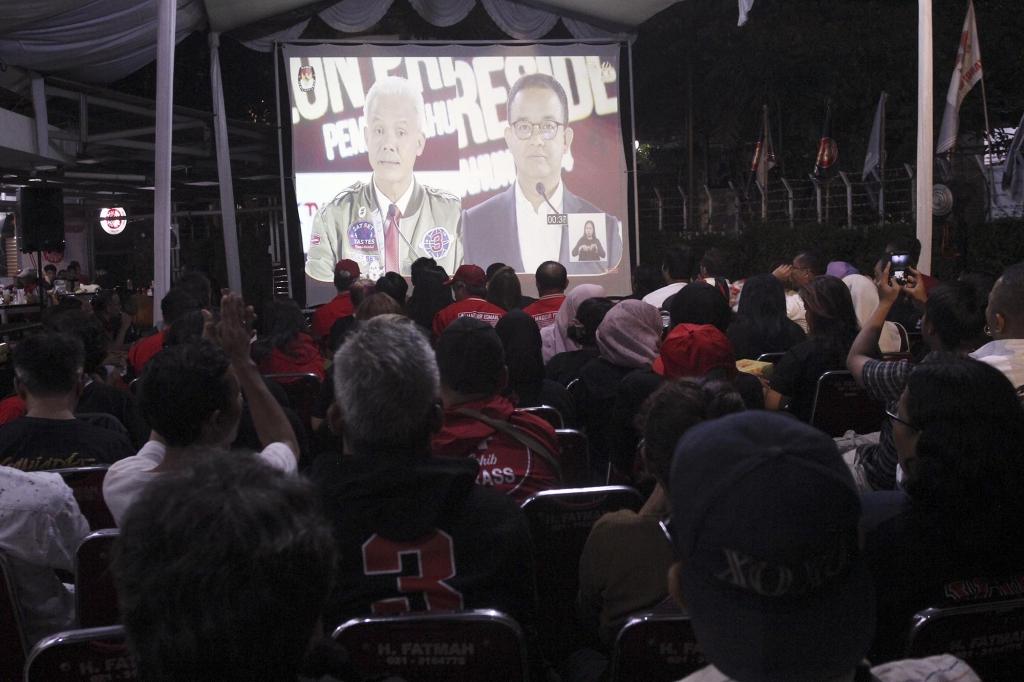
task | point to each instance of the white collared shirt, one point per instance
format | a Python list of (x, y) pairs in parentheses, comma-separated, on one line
[(538, 241), (383, 202), (1006, 355), (42, 527)]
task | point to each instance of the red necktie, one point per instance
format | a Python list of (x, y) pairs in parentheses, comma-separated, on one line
[(391, 239)]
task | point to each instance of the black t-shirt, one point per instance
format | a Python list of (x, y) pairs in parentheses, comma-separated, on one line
[(100, 398), (564, 367), (420, 535), (31, 443), (748, 343), (796, 374)]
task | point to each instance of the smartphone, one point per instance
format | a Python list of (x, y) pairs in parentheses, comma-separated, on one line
[(899, 262)]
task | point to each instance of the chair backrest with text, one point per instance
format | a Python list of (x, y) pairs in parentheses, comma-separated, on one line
[(840, 405), (86, 484), (95, 595), (655, 647), (12, 635), (560, 521), (81, 656), (428, 647), (989, 636)]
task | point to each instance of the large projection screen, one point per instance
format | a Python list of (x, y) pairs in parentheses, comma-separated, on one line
[(418, 138)]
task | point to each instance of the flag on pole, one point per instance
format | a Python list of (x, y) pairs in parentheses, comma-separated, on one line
[(875, 157), (828, 150), (966, 73), (764, 153), (745, 7), (1013, 171)]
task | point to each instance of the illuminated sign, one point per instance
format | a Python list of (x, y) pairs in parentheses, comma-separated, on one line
[(113, 220)]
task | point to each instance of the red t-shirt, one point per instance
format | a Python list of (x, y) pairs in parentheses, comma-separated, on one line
[(11, 408), (143, 350), (544, 309), (505, 463), (326, 315), (467, 307), (300, 355)]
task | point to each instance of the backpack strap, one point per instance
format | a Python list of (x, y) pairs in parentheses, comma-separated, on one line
[(517, 434)]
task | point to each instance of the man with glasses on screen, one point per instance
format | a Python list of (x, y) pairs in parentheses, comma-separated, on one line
[(513, 227), (387, 223)]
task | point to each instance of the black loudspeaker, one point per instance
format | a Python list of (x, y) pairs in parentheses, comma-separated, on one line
[(40, 224)]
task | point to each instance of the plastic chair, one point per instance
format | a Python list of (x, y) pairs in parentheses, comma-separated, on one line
[(575, 457), (460, 645), (81, 656), (12, 633), (986, 635), (95, 595), (86, 484), (560, 521), (655, 647), (840, 405), (302, 389), (547, 413)]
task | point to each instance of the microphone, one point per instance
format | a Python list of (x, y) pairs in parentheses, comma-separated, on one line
[(540, 190)]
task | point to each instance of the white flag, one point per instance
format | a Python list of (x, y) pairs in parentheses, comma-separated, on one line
[(966, 73), (876, 144), (745, 7)]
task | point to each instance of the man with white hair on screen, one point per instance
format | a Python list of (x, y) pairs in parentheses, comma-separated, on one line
[(387, 223)]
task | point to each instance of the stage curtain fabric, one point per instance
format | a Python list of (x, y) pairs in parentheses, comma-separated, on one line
[(354, 16)]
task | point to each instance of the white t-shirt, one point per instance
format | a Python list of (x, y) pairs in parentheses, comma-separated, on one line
[(1006, 355), (126, 478), (658, 297), (795, 309), (942, 668), (41, 529)]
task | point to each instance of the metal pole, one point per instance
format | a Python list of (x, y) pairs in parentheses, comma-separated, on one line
[(817, 195), (790, 209), (707, 193), (227, 191), (686, 208), (925, 134), (913, 188), (849, 200), (280, 162), (167, 18), (661, 210)]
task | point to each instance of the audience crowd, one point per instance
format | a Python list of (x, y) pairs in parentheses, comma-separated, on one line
[(275, 475)]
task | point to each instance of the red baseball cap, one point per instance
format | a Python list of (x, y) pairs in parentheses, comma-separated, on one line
[(472, 275), (349, 266), (693, 350)]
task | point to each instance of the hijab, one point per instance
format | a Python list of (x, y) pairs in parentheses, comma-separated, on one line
[(630, 334), (555, 337)]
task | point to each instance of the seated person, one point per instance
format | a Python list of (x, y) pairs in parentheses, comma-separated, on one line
[(41, 530), (346, 273), (191, 396), (394, 285), (283, 346), (48, 377), (832, 326), (518, 453), (98, 396), (958, 430), (761, 325), (557, 339), (765, 530), (565, 367), (222, 570), (951, 323), (396, 509), (623, 565), (552, 281), (527, 386), (175, 304), (469, 288), (1005, 317)]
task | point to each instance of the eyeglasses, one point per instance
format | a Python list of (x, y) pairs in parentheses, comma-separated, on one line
[(524, 130), (896, 418)]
